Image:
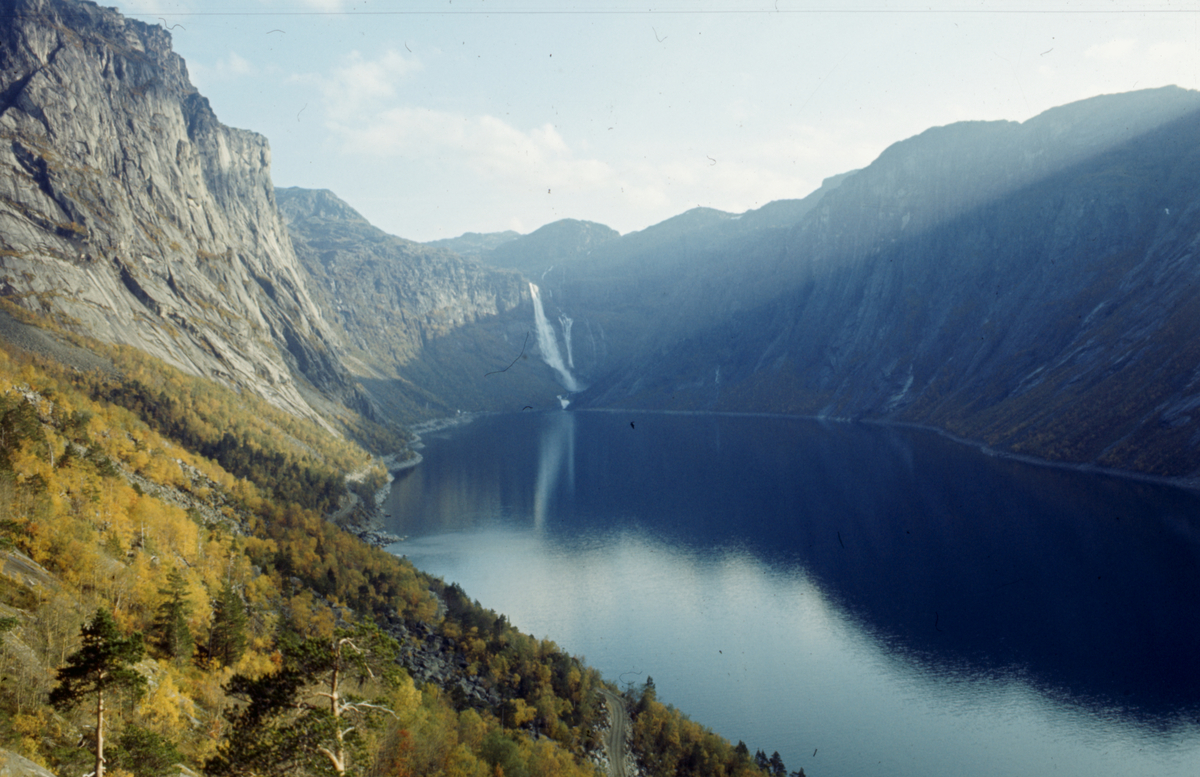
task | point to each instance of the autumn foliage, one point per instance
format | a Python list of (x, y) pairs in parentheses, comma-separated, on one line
[(196, 516)]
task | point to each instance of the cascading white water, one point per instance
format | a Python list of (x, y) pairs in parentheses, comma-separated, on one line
[(548, 341), (565, 322)]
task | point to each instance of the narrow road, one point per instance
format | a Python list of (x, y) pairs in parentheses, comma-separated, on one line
[(615, 741)]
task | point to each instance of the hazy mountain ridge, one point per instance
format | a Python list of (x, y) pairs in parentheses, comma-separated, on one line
[(558, 241), (473, 244), (635, 295), (1030, 286)]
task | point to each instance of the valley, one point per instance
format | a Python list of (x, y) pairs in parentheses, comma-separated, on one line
[(193, 361)]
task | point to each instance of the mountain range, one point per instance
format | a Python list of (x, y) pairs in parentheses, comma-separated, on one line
[(1029, 286)]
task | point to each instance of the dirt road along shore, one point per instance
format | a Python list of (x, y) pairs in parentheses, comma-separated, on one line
[(616, 740)]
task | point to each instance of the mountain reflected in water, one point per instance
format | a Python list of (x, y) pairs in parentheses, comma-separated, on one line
[(897, 601)]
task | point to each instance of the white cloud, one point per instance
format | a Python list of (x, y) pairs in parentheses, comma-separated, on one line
[(227, 68), (360, 84), (1118, 48), (485, 144), (1173, 52), (538, 174), (235, 65)]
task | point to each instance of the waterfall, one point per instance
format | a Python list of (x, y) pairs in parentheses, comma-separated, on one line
[(548, 341), (566, 323)]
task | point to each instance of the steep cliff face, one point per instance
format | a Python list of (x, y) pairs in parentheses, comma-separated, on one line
[(422, 327), (128, 211), (1029, 285), (388, 296)]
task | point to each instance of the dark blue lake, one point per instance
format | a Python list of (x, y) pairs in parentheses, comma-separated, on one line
[(892, 601)]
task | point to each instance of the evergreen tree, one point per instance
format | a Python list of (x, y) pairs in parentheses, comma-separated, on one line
[(227, 640), (289, 722), (173, 636), (19, 423), (649, 695), (144, 753), (262, 740), (103, 664), (8, 530)]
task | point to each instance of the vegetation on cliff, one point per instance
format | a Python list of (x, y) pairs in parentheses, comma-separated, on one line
[(245, 594)]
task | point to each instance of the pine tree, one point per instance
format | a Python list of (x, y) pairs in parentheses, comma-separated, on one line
[(144, 752), (227, 640), (103, 664), (301, 715), (173, 636)]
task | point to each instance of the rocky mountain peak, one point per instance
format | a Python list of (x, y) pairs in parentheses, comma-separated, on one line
[(297, 204)]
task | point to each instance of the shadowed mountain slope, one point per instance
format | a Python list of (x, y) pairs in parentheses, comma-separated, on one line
[(1029, 285), (1032, 286)]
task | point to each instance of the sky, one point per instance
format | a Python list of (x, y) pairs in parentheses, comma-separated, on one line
[(434, 118)]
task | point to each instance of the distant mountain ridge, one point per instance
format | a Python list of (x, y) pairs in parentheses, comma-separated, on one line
[(474, 244), (557, 241), (1028, 285)]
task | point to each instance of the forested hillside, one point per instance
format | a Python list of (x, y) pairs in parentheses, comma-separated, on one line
[(181, 522)]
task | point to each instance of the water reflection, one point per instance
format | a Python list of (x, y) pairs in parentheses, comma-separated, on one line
[(904, 604), (555, 453)]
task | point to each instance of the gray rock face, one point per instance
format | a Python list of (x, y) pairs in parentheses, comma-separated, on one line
[(431, 658), (388, 296), (421, 327), (130, 213), (13, 765)]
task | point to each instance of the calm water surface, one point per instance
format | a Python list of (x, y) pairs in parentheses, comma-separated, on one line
[(863, 599)]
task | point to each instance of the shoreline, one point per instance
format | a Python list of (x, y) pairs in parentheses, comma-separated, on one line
[(438, 424), (374, 533), (1184, 483)]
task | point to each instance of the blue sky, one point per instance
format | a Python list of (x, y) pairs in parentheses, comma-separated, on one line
[(438, 117)]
